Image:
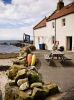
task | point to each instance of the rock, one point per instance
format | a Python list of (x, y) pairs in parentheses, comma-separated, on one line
[(20, 58), (33, 76), (0, 95), (24, 86), (36, 84), (20, 75), (51, 88), (18, 67), (24, 96), (12, 83), (21, 81), (32, 68), (38, 94), (32, 47), (10, 92), (29, 91), (19, 62), (25, 50), (12, 73)]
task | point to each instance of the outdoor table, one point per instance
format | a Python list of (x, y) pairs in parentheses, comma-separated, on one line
[(57, 55)]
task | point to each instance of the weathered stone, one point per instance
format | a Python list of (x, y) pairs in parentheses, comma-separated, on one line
[(21, 81), (0, 95), (20, 58), (25, 50), (25, 55), (32, 47), (36, 84), (12, 73), (29, 91), (51, 89), (33, 76), (18, 67), (20, 75), (32, 68), (10, 92), (24, 86), (18, 62), (24, 96), (12, 82), (38, 94)]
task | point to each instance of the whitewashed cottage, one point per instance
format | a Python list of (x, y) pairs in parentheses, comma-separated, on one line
[(58, 28)]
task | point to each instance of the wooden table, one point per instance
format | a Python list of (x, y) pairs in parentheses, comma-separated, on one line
[(57, 55)]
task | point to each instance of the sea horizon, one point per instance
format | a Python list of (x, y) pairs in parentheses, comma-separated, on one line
[(6, 46)]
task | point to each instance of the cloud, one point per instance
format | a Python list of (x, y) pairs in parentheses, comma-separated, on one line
[(25, 13)]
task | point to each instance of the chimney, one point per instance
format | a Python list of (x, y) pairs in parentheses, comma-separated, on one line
[(60, 5)]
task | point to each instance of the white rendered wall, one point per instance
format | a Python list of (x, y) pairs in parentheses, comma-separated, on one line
[(50, 32), (64, 31), (41, 32), (61, 32)]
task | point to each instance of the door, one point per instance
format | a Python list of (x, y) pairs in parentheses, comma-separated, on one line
[(69, 43)]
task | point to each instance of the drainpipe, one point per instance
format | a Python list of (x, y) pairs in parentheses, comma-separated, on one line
[(55, 32), (33, 38)]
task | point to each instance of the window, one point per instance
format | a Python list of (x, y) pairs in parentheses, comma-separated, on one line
[(63, 22), (53, 24)]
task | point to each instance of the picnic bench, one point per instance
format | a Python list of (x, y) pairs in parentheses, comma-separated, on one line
[(56, 55)]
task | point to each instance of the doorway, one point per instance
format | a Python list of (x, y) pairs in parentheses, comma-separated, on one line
[(69, 43)]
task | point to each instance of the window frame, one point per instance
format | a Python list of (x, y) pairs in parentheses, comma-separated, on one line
[(63, 22), (53, 24)]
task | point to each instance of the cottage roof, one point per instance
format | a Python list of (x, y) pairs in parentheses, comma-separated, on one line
[(56, 14), (64, 11), (41, 24)]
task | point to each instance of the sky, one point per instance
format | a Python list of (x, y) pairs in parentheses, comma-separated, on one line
[(20, 16)]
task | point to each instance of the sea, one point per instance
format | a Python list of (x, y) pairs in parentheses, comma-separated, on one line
[(6, 46)]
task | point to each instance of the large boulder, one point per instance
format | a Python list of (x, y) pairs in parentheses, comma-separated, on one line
[(19, 62), (21, 81), (36, 84), (27, 49), (0, 95), (51, 88), (10, 92), (38, 94), (13, 93), (12, 82), (11, 73), (32, 47), (18, 67), (32, 68), (22, 55), (24, 86), (23, 96), (20, 75), (33, 76)]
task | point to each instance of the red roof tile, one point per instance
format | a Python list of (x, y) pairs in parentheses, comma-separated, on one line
[(64, 11), (41, 24)]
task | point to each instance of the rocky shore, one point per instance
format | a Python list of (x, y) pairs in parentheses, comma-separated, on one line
[(35, 82), (24, 82)]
